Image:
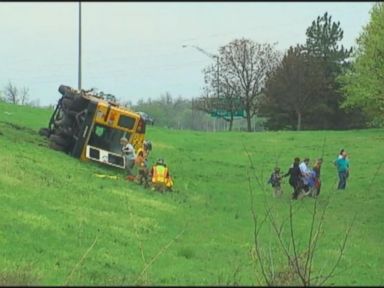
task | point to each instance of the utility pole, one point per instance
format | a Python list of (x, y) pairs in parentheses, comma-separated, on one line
[(79, 72), (193, 114)]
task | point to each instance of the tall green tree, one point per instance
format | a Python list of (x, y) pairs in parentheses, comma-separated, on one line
[(322, 43), (292, 90), (322, 40), (363, 84), (302, 93)]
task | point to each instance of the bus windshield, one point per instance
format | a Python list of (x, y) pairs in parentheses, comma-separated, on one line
[(107, 138)]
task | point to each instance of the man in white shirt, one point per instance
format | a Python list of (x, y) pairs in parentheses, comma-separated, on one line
[(305, 172), (129, 154)]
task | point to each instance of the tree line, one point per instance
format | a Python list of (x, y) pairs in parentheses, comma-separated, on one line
[(312, 86), (318, 85), (16, 95), (251, 86)]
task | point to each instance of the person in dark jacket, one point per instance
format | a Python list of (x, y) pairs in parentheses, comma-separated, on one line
[(295, 178), (275, 181)]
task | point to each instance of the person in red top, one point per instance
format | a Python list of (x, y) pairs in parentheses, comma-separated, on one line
[(142, 169), (316, 169)]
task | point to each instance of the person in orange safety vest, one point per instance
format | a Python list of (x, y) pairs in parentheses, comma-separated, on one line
[(161, 180)]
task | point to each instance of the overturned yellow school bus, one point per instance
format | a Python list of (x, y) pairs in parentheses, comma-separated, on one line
[(89, 127)]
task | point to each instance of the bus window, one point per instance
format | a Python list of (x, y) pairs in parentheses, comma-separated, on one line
[(106, 138), (126, 122)]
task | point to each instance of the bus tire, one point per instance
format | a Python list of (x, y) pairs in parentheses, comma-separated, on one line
[(66, 91), (65, 131), (60, 140), (45, 132), (67, 103), (57, 147), (64, 120), (79, 103)]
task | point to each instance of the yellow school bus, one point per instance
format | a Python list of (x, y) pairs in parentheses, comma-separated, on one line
[(89, 127)]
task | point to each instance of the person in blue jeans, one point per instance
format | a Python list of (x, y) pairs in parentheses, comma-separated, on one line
[(342, 165)]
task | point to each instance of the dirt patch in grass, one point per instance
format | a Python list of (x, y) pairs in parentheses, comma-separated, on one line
[(20, 277)]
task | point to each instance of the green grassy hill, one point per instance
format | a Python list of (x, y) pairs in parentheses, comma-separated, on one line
[(60, 224)]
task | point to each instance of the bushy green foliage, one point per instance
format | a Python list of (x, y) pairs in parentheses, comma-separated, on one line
[(363, 84), (292, 91), (302, 92), (63, 225), (323, 37)]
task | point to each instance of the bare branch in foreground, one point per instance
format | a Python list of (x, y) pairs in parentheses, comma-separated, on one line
[(80, 261), (161, 251)]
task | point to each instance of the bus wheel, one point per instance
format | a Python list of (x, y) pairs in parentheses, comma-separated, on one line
[(56, 147), (45, 132), (59, 140), (65, 131), (67, 103), (66, 91), (63, 120)]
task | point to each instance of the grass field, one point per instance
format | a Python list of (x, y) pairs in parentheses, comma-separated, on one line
[(62, 225)]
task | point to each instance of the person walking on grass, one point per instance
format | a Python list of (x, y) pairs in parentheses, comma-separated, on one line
[(295, 178), (275, 181), (315, 190), (342, 165), (305, 174)]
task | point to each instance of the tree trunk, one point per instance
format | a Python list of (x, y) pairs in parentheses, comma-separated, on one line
[(230, 122), (298, 121), (249, 124), (230, 125)]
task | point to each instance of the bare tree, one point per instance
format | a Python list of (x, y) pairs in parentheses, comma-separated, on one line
[(24, 96), (244, 65), (224, 100), (16, 96), (204, 102), (11, 93)]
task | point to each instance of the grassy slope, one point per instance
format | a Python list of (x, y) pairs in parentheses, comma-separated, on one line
[(54, 208)]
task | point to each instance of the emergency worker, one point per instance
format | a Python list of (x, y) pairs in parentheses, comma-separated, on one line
[(161, 180), (142, 169)]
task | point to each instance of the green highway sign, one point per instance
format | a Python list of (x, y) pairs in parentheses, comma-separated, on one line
[(223, 113)]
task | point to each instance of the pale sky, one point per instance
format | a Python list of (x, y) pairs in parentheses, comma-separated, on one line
[(133, 50)]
